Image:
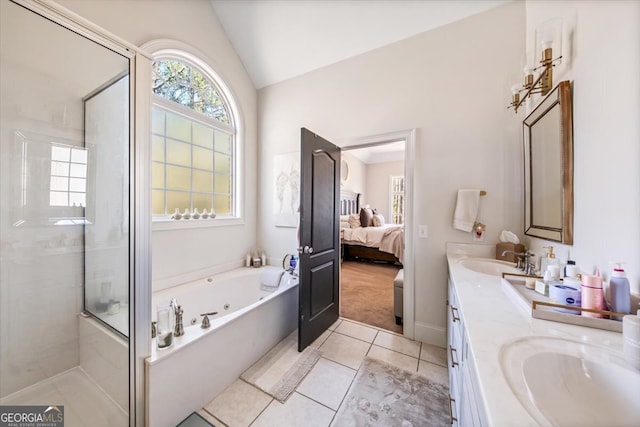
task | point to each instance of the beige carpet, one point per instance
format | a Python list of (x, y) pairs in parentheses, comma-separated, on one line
[(279, 372), (366, 294), (384, 395)]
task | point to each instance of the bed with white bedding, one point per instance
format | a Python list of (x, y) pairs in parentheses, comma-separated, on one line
[(376, 241)]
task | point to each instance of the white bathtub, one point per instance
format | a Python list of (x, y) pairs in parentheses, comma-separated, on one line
[(203, 362)]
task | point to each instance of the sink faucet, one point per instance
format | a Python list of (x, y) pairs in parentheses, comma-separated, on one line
[(523, 260)]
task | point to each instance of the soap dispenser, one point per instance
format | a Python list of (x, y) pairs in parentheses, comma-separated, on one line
[(548, 259), (619, 292)]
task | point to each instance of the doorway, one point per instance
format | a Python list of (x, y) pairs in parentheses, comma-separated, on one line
[(375, 171)]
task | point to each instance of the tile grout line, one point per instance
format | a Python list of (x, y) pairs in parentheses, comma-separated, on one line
[(208, 412), (355, 338), (264, 409), (348, 388), (314, 400)]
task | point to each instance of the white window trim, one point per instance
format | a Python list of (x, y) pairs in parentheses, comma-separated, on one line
[(173, 49)]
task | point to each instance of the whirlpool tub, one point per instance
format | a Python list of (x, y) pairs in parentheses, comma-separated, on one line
[(203, 362)]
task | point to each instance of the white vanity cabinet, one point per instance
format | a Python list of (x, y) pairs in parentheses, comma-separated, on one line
[(464, 394)]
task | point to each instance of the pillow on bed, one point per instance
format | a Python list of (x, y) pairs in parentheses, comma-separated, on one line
[(345, 224), (366, 217), (344, 218), (378, 220), (354, 220)]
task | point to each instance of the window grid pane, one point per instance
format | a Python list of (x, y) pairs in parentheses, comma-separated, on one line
[(397, 199), (68, 173), (193, 173)]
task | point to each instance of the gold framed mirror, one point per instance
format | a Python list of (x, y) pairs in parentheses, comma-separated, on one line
[(548, 167)]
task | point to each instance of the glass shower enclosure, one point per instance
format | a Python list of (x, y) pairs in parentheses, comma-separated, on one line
[(66, 246)]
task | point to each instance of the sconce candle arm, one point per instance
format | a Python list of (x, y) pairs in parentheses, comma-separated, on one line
[(550, 62), (537, 86)]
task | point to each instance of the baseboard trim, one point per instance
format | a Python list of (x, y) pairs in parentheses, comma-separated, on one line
[(431, 334)]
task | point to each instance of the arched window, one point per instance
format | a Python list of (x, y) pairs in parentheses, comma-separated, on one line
[(194, 138)]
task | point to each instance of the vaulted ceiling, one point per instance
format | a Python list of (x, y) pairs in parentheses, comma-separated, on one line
[(280, 39)]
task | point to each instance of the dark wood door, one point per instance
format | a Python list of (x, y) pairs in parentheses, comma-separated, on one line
[(319, 237)]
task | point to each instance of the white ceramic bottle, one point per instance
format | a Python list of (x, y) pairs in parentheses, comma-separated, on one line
[(548, 259)]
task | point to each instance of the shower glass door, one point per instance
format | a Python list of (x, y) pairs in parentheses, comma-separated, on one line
[(64, 221)]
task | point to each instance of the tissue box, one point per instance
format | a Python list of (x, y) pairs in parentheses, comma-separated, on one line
[(501, 247)]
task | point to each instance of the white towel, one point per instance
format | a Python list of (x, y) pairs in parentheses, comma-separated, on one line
[(270, 280), (466, 209)]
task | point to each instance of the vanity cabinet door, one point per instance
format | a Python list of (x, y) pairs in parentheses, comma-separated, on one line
[(471, 411), (455, 331), (466, 408)]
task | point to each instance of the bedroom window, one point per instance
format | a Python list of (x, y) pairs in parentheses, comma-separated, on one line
[(397, 199), (194, 138)]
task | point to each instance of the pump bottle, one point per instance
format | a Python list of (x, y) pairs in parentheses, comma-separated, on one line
[(619, 292), (548, 259)]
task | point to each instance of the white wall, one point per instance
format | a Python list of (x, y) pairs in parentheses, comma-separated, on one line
[(379, 185), (357, 179), (453, 85), (602, 59), (192, 22)]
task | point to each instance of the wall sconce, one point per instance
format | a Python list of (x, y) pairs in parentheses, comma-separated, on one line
[(547, 35)]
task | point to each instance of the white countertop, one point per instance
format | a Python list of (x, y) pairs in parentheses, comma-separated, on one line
[(492, 319)]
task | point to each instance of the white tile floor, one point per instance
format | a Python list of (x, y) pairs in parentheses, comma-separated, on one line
[(85, 404), (320, 394)]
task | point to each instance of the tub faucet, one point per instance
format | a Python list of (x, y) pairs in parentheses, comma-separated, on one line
[(178, 329), (205, 319)]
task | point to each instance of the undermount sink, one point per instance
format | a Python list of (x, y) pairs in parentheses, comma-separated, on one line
[(570, 383), (488, 266)]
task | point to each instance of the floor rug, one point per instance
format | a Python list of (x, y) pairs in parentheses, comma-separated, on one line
[(279, 372), (384, 395)]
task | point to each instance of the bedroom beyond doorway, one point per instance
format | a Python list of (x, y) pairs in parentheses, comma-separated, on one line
[(372, 184)]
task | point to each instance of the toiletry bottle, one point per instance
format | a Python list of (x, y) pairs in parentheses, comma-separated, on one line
[(548, 259), (571, 269), (592, 295), (619, 292)]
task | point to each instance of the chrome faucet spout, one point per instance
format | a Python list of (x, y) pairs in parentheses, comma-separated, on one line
[(504, 253), (523, 259)]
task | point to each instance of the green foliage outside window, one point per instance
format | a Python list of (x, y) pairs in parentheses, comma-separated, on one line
[(178, 82)]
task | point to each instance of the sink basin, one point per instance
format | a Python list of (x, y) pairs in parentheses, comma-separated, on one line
[(570, 383), (488, 266)]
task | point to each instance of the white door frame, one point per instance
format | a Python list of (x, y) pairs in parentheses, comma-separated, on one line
[(408, 316)]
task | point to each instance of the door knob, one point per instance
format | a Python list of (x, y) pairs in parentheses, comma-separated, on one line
[(307, 250)]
